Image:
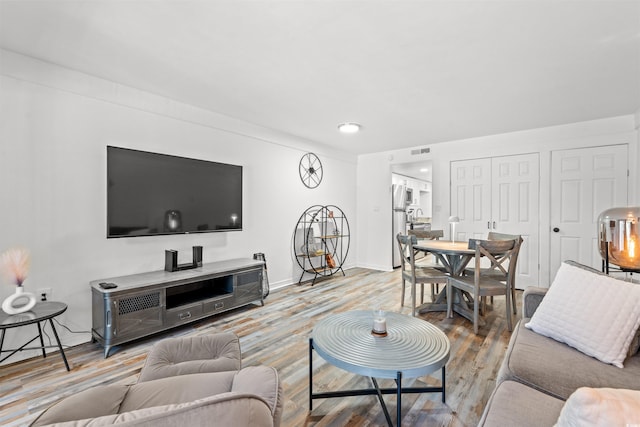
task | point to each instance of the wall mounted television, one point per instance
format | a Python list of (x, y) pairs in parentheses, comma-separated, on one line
[(157, 194)]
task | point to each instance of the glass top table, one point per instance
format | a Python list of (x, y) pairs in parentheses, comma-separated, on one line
[(41, 312), (412, 348)]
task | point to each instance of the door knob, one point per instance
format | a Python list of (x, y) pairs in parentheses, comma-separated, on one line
[(556, 229)]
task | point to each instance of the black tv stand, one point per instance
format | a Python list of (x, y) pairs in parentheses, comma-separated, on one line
[(147, 303)]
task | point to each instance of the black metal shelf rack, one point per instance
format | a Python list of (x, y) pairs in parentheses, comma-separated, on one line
[(321, 241)]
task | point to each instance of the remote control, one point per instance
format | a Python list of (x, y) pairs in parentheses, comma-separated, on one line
[(106, 285)]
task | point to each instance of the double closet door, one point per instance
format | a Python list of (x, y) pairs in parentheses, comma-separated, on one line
[(500, 194)]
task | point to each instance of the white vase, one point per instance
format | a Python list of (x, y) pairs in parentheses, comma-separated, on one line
[(19, 302)]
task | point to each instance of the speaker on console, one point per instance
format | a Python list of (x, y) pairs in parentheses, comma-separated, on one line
[(170, 260), (197, 256)]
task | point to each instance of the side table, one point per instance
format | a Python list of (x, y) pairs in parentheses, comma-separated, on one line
[(41, 312)]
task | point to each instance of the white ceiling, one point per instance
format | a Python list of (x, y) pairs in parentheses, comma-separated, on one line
[(411, 72)]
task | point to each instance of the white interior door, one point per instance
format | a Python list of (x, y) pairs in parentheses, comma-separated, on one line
[(584, 182), (471, 198), (500, 194), (515, 199)]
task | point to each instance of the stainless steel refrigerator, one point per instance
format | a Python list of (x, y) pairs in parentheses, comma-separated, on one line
[(399, 215)]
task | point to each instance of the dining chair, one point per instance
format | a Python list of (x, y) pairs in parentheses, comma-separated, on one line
[(427, 234), (432, 261), (415, 274), (497, 273), (499, 253)]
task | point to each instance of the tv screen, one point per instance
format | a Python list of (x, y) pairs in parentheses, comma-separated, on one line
[(151, 194)]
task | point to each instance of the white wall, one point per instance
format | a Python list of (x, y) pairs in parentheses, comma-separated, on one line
[(56, 124), (634, 198), (373, 217), (376, 246)]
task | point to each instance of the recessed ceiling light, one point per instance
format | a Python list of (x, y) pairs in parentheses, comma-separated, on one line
[(424, 170), (349, 127)]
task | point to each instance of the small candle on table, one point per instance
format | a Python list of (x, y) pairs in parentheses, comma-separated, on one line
[(379, 322)]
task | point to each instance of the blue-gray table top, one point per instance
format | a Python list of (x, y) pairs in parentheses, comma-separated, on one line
[(412, 346)]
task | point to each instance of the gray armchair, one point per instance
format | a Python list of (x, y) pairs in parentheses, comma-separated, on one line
[(185, 381)]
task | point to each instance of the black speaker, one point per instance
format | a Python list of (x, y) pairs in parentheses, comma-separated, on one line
[(170, 260), (197, 256)]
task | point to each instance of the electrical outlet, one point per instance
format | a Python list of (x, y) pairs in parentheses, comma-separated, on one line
[(44, 294)]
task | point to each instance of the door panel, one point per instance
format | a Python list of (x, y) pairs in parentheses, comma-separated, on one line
[(526, 269), (471, 201), (584, 182), (515, 201), (500, 194)]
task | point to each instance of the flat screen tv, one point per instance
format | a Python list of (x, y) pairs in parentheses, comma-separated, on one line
[(151, 194)]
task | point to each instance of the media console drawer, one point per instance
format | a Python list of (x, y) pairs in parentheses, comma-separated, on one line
[(148, 303), (184, 314), (220, 304)]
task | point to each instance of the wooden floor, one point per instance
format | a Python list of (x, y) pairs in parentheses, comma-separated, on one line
[(277, 335)]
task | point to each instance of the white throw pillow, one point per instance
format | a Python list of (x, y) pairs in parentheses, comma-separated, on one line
[(593, 313), (601, 407)]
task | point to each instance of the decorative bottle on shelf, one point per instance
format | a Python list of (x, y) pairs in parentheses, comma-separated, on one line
[(331, 263)]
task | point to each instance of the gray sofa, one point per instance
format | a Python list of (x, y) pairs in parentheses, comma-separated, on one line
[(185, 381), (538, 374)]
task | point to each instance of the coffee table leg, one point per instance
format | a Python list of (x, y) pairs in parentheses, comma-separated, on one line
[(384, 406), (443, 384), (310, 374), (399, 408)]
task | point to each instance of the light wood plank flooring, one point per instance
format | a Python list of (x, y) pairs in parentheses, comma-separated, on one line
[(277, 335)]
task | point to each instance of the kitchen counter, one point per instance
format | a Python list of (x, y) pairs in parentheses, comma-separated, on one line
[(415, 225)]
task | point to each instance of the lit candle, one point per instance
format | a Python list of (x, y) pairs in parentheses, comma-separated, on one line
[(379, 322)]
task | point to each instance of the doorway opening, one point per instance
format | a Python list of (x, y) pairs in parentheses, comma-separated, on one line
[(412, 201)]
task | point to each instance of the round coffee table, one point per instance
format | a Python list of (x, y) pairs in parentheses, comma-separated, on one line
[(412, 348)]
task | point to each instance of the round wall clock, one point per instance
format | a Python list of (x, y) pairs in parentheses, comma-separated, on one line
[(310, 170)]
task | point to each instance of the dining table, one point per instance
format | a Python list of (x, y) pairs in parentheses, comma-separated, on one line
[(454, 257)]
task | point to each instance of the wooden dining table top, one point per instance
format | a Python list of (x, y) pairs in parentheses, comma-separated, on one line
[(446, 247)]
